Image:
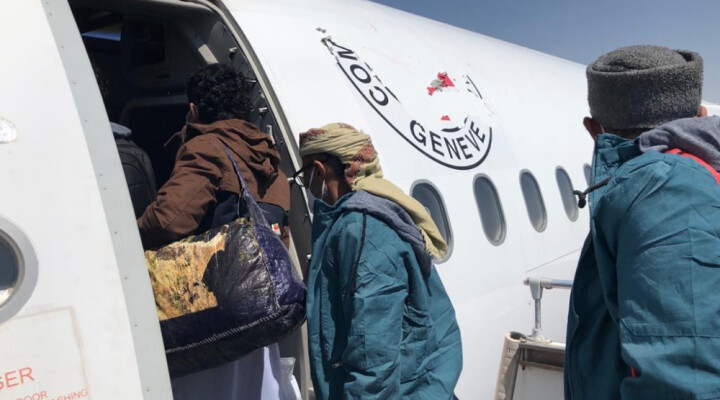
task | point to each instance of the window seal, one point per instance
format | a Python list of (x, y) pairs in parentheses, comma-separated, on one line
[(576, 212), (543, 226), (501, 211), (446, 216), (587, 171), (27, 264)]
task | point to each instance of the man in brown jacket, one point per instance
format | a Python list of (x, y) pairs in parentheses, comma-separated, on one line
[(203, 189), (203, 193)]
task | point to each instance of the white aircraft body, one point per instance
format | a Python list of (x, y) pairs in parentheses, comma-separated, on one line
[(486, 134)]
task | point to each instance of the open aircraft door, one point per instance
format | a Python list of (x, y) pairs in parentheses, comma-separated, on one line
[(77, 316)]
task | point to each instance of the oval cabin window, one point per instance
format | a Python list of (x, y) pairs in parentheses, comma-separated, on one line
[(533, 201), (18, 270), (430, 198), (566, 193), (9, 270), (586, 171), (490, 209)]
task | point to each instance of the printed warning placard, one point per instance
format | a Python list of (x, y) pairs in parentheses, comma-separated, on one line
[(40, 359)]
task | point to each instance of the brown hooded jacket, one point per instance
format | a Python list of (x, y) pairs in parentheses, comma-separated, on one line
[(202, 170)]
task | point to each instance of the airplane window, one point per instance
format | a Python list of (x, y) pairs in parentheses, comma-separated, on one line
[(566, 192), (18, 270), (490, 209), (9, 270), (586, 170), (430, 198), (533, 201)]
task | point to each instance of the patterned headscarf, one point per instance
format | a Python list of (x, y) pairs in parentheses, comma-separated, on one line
[(363, 172)]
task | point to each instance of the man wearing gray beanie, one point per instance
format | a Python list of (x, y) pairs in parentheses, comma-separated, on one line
[(644, 320)]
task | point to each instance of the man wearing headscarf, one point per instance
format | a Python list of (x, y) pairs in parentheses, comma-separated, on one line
[(379, 320)]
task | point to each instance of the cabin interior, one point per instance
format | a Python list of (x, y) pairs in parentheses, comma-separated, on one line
[(142, 53)]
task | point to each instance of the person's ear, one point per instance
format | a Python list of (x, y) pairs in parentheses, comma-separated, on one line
[(316, 178), (593, 127), (193, 113), (320, 170), (702, 112)]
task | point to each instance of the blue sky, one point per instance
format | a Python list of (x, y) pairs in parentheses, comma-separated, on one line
[(582, 30)]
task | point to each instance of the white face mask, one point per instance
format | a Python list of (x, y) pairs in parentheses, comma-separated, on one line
[(311, 197)]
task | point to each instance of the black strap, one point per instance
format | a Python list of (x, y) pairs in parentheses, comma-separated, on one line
[(241, 182), (254, 211), (357, 261), (582, 196)]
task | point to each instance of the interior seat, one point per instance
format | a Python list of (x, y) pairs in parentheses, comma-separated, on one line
[(137, 168)]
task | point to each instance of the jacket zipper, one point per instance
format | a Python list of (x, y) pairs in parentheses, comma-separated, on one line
[(592, 182), (572, 340), (572, 297)]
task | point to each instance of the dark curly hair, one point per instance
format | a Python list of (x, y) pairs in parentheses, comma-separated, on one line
[(220, 92)]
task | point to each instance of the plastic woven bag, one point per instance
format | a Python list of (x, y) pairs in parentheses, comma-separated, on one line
[(225, 292)]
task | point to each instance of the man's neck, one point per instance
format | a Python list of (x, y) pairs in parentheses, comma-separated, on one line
[(336, 192), (629, 134), (334, 195)]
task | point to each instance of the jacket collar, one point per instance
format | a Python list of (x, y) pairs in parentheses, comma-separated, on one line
[(611, 152), (324, 214), (698, 136), (254, 147)]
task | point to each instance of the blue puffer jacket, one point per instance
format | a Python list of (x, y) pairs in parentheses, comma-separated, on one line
[(645, 292), (380, 323)]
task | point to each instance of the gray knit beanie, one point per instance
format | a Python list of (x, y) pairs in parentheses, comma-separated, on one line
[(644, 86)]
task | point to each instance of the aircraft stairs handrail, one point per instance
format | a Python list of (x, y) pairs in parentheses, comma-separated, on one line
[(521, 351)]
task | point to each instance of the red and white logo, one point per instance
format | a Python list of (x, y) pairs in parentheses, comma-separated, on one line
[(459, 136)]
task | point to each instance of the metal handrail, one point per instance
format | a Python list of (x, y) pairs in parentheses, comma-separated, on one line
[(548, 283), (536, 291)]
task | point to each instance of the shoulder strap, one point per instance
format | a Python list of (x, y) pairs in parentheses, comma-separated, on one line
[(582, 195), (710, 169), (253, 209), (353, 272)]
